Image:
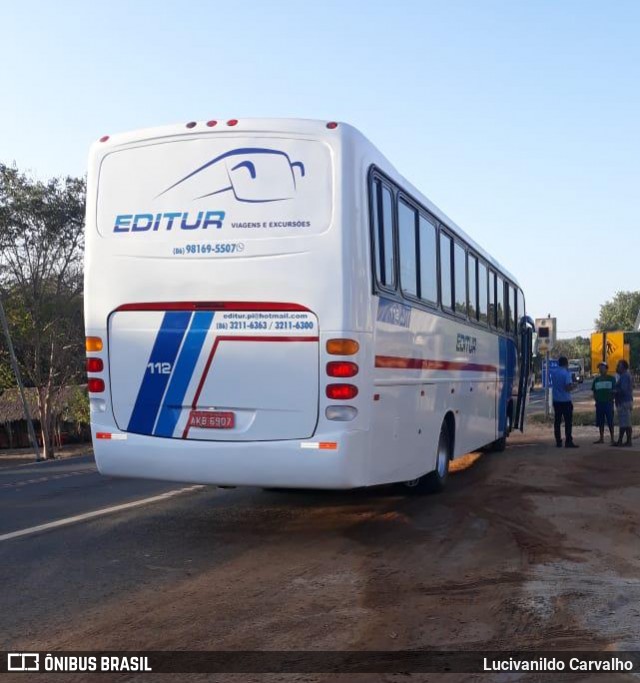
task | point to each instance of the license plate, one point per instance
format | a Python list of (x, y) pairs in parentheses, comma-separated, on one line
[(212, 419)]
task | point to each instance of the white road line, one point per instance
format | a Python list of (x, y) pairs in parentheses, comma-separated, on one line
[(98, 513)]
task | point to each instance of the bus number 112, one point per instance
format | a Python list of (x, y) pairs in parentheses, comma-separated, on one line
[(159, 368)]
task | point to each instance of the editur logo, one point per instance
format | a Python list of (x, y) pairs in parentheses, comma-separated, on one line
[(254, 175), (142, 222)]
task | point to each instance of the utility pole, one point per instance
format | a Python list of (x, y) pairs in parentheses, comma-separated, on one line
[(16, 372)]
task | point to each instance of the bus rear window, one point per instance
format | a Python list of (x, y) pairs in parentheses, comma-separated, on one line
[(215, 188)]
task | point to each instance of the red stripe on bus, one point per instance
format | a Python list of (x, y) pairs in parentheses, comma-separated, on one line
[(212, 306), (212, 353), (402, 363)]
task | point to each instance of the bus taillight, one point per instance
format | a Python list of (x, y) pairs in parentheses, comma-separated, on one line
[(95, 385), (342, 368), (94, 365), (341, 392)]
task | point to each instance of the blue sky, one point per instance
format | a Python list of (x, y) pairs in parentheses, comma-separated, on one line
[(520, 120)]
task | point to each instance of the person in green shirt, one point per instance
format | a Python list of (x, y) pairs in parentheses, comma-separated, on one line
[(603, 387)]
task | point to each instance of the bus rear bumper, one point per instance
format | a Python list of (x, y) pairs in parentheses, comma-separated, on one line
[(309, 463)]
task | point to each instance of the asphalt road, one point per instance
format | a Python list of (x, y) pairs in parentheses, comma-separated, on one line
[(531, 548), (38, 493), (536, 398)]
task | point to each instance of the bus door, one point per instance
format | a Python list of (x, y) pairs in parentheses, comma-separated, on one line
[(525, 354)]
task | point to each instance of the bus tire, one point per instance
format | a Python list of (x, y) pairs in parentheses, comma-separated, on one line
[(499, 445), (434, 482)]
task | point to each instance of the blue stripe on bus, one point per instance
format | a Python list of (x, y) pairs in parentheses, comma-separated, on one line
[(154, 382), (182, 374)]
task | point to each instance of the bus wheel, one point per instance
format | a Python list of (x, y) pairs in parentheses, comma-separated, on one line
[(435, 481), (498, 445)]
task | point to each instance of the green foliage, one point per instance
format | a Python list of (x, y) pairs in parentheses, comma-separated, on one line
[(578, 347), (77, 407), (7, 379), (582, 419), (633, 339), (41, 252), (620, 313)]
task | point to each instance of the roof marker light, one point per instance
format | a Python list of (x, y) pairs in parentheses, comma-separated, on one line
[(232, 122), (212, 123), (104, 138), (332, 125), (191, 124)]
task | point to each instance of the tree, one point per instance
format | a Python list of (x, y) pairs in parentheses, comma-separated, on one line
[(620, 313), (578, 347), (41, 248)]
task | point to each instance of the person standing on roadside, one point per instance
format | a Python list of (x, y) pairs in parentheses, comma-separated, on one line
[(603, 388), (624, 402), (562, 405)]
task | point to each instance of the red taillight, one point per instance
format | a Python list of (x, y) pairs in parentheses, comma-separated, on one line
[(341, 392), (104, 138), (212, 123), (95, 365), (232, 122), (340, 368), (191, 124), (332, 124), (95, 385)]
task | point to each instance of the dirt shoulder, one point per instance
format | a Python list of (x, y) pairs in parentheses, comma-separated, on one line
[(10, 457)]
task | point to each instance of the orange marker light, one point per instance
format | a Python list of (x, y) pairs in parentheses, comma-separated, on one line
[(93, 344), (342, 347)]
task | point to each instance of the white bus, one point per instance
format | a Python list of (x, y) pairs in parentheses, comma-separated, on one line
[(270, 303)]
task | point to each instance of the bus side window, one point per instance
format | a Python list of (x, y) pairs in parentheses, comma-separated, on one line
[(513, 315), (500, 303), (492, 299), (446, 290), (460, 278), (428, 261), (520, 306), (408, 248), (483, 303), (382, 220), (472, 275), (389, 275)]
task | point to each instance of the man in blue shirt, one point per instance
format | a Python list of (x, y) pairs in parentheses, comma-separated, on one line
[(624, 402), (562, 405)]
